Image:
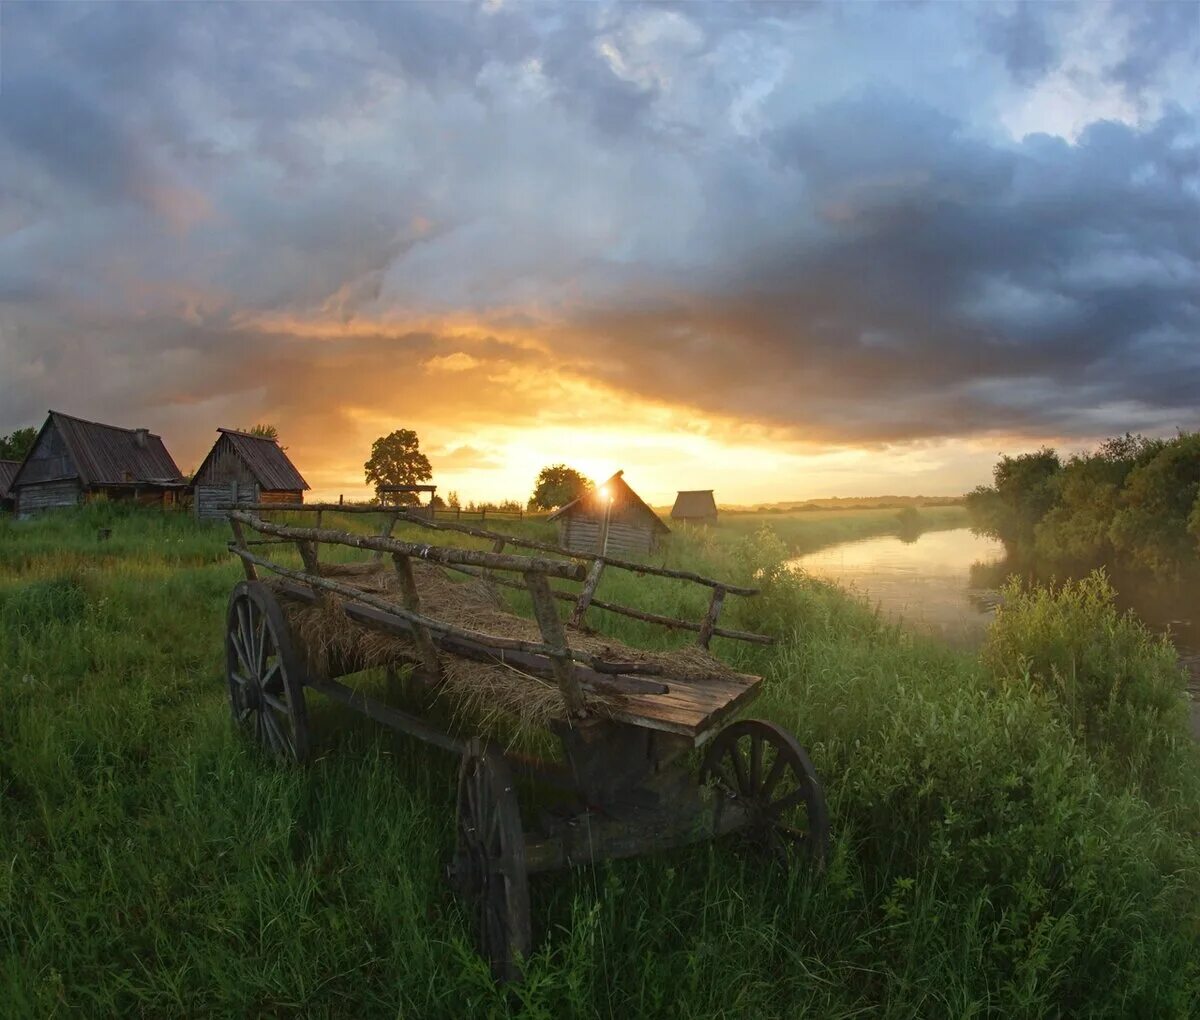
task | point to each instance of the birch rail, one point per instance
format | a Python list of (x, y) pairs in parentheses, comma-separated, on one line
[(524, 543), (445, 555)]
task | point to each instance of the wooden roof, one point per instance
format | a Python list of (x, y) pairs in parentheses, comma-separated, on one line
[(8, 471), (623, 496), (694, 503), (108, 454), (265, 459)]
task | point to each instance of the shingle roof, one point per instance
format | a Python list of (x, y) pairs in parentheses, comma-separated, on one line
[(624, 495), (266, 461), (694, 503), (8, 471), (109, 455)]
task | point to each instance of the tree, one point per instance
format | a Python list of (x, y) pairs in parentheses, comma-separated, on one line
[(17, 443), (556, 486), (452, 500), (396, 459), (1024, 492)]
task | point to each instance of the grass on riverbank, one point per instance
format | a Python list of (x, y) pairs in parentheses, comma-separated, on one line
[(984, 863)]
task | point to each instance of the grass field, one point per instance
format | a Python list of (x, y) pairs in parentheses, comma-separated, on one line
[(1016, 834)]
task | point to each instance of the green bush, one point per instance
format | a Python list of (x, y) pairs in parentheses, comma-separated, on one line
[(1112, 681)]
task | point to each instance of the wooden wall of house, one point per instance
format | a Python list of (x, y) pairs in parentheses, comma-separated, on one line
[(32, 499), (582, 534), (281, 496), (49, 460), (213, 501), (225, 466)]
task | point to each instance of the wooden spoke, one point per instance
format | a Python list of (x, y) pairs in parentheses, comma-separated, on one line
[(774, 779), (264, 675), (488, 868)]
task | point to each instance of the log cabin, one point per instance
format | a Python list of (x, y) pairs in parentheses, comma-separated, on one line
[(244, 468), (609, 519), (74, 461)]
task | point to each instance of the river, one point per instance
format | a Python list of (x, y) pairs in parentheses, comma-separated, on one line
[(926, 583)]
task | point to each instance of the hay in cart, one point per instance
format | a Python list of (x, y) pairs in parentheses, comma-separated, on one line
[(331, 641)]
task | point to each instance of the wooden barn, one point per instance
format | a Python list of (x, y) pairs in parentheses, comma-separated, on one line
[(612, 519), (244, 468), (695, 506), (73, 461), (8, 471)]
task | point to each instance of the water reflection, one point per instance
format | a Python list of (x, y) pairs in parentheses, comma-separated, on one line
[(923, 580)]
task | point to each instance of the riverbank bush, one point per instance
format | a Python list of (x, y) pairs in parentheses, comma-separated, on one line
[(984, 863), (1132, 506), (1114, 683)]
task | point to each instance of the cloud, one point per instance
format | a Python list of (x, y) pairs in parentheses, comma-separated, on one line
[(813, 222)]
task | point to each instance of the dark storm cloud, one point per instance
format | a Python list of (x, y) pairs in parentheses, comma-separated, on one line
[(1023, 38), (807, 216)]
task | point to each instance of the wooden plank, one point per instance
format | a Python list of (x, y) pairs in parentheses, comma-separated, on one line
[(555, 637), (412, 602), (239, 537), (385, 532), (710, 618), (591, 582)]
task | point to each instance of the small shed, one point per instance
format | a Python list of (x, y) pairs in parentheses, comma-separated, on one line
[(612, 519), (8, 471), (73, 460), (244, 468), (695, 506)]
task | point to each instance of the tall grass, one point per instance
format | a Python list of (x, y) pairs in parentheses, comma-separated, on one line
[(988, 859)]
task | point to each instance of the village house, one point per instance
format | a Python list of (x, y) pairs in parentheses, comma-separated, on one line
[(610, 519), (244, 468), (73, 461), (8, 471), (695, 506)]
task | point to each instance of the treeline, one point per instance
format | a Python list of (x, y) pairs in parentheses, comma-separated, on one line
[(1133, 505)]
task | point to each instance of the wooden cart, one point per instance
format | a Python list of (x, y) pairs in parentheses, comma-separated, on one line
[(626, 727)]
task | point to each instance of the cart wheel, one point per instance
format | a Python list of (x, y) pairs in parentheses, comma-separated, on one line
[(266, 688), (762, 766), (488, 869)]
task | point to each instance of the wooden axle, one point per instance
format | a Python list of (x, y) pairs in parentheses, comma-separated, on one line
[(589, 838)]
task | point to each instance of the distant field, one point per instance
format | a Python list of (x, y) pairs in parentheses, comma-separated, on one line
[(990, 857)]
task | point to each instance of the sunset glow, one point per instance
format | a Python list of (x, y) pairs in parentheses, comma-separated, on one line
[(781, 255)]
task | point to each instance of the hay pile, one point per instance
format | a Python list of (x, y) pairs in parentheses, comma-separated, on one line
[(485, 693)]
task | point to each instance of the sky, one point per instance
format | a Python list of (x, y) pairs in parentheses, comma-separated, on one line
[(780, 251)]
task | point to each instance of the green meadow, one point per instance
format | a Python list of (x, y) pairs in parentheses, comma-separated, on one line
[(1015, 833)]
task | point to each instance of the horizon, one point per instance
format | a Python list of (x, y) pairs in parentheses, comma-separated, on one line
[(761, 250)]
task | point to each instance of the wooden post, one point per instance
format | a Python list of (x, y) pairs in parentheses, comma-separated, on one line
[(588, 593), (710, 618), (384, 532), (555, 636), (320, 513), (240, 538), (341, 498), (412, 602)]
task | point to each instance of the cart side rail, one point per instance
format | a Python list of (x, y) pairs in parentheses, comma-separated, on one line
[(705, 629)]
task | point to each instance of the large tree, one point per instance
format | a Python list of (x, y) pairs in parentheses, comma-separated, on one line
[(556, 486), (16, 444), (396, 459)]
